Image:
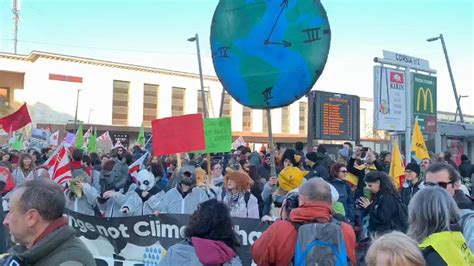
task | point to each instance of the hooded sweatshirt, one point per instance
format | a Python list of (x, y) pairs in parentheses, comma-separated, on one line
[(200, 251), (276, 246)]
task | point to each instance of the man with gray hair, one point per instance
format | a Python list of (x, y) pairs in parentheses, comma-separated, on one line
[(38, 226), (276, 246), (447, 177)]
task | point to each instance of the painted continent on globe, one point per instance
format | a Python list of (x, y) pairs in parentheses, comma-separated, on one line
[(269, 53)]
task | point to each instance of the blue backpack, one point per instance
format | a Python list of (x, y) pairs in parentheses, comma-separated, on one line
[(320, 244)]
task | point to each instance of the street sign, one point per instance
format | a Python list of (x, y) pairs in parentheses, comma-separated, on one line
[(406, 59), (389, 99), (425, 102), (334, 116)]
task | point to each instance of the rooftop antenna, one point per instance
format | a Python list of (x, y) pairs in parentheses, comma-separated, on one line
[(16, 19)]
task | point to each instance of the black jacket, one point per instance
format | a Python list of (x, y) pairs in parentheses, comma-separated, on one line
[(382, 213), (462, 200), (409, 191), (432, 258), (466, 169), (452, 163), (263, 171), (318, 171), (361, 175)]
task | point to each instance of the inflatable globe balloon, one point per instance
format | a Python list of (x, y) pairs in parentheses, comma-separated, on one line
[(269, 53)]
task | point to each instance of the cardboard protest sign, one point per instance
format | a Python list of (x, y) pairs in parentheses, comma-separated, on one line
[(145, 239), (178, 134), (218, 134), (39, 138)]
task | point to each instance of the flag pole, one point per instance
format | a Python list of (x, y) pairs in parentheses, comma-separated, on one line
[(270, 144)]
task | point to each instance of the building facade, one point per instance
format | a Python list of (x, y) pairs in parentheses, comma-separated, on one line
[(124, 95)]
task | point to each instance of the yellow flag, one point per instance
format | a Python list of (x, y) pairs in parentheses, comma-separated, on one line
[(418, 145), (397, 169)]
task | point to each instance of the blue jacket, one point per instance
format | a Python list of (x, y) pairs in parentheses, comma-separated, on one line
[(346, 197)]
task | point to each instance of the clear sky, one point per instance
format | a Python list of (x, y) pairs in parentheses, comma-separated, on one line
[(154, 33)]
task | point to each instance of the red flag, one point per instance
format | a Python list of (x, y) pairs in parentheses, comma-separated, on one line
[(58, 166), (178, 134), (16, 120)]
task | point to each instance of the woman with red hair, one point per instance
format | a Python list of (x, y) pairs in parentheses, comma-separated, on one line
[(236, 195)]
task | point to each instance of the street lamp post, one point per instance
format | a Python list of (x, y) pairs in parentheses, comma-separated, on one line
[(203, 95), (440, 37), (89, 117), (77, 107), (459, 99)]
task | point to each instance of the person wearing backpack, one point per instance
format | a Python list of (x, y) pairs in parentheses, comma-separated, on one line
[(286, 241), (386, 210), (236, 195)]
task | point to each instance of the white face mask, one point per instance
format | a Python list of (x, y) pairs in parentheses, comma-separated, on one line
[(146, 180)]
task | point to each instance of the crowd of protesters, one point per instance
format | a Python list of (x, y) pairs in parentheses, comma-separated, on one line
[(351, 194)]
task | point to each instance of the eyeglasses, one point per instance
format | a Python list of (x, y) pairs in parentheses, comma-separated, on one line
[(439, 184), (343, 171), (408, 171)]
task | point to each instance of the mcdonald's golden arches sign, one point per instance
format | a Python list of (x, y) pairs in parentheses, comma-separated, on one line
[(425, 101)]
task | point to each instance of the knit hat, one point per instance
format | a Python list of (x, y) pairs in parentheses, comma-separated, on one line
[(291, 178), (344, 152), (291, 155), (313, 156), (414, 167)]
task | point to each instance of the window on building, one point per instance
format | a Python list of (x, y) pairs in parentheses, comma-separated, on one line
[(120, 103), (247, 119), (150, 104), (303, 117), (285, 120), (227, 110), (208, 101), (178, 100)]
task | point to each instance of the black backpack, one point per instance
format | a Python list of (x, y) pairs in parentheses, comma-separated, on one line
[(401, 223)]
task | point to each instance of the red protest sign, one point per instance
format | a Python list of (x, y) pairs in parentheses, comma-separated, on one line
[(178, 134)]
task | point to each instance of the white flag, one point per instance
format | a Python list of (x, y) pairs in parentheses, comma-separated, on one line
[(135, 167), (239, 142), (54, 138)]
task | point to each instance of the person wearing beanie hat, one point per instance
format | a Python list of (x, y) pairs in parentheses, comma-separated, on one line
[(315, 168), (412, 182)]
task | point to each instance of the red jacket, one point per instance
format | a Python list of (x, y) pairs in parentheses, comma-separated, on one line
[(276, 246)]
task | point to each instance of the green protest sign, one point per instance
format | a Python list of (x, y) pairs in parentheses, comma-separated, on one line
[(218, 134)]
